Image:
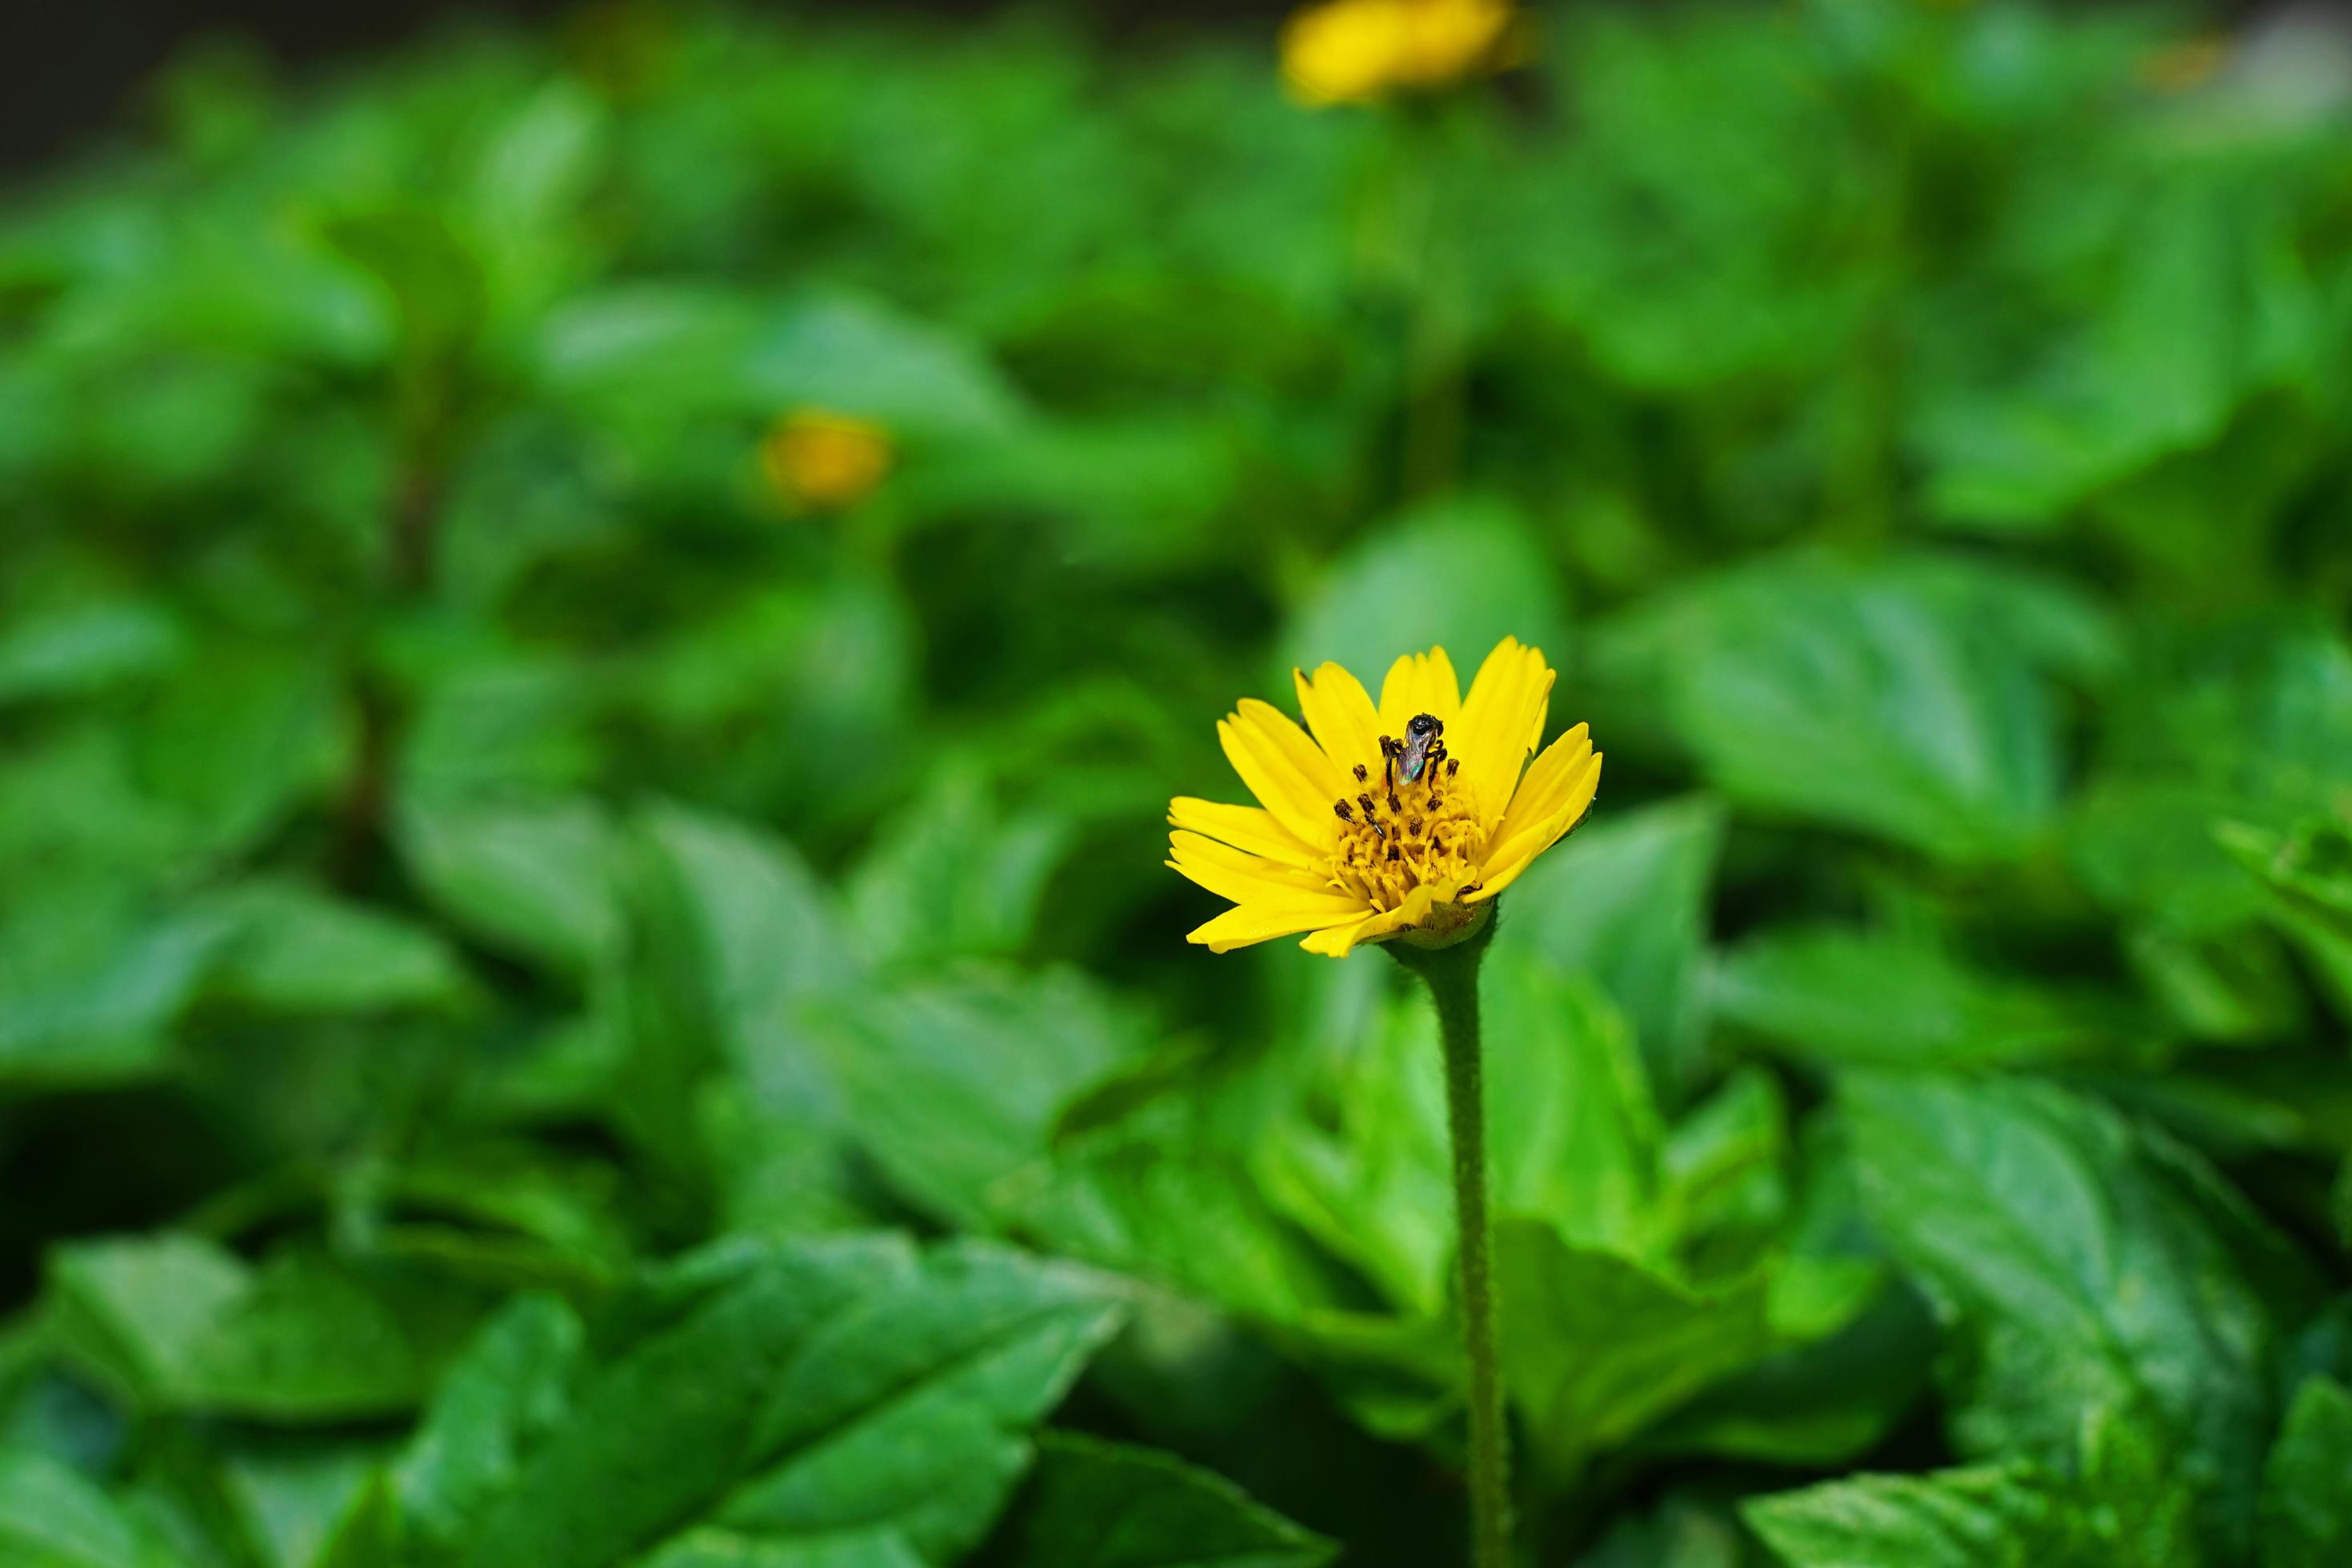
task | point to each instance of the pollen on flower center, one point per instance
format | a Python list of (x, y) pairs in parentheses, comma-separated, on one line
[(1394, 839)]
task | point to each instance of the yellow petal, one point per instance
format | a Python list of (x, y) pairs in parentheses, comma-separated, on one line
[(1519, 850), (1236, 874), (1249, 827), (1340, 712), (1336, 941), (1419, 683), (1502, 721), (1246, 923), (1324, 775), (1545, 784), (1272, 769), (1533, 830)]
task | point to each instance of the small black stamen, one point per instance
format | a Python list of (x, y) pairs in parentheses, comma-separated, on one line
[(1366, 802), (1393, 851), (1452, 766), (1362, 773), (1413, 827), (1394, 804), (1341, 807)]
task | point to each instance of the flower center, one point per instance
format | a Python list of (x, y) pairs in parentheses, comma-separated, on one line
[(1413, 825)]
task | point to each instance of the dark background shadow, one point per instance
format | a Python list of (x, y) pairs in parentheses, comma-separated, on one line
[(70, 69)]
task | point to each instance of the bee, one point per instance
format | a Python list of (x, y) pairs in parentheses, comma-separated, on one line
[(1423, 749)]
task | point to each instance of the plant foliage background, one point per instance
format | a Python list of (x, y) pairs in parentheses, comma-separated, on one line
[(556, 1009)]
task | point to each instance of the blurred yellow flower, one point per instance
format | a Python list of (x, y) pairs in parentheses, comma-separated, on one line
[(2184, 65), (1402, 819), (821, 461), (1347, 52)]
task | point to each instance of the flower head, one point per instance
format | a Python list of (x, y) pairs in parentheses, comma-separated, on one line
[(1399, 820), (820, 460), (1348, 51)]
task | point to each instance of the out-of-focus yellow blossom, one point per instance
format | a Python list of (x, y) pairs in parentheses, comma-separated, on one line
[(1347, 51), (1401, 820), (820, 460), (2184, 65)]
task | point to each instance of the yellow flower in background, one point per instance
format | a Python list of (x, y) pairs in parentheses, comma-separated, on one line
[(1404, 819), (2185, 66), (826, 461), (1347, 51)]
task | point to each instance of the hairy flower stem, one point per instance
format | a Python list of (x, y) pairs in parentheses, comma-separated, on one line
[(1451, 974)]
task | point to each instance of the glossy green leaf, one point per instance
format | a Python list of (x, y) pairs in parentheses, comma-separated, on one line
[(2087, 1272), (1102, 1505), (1625, 900), (1850, 998), (1596, 1346), (51, 1517), (1948, 1519), (797, 1396), (1911, 701)]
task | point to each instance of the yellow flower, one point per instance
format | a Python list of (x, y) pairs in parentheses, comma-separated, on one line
[(2184, 67), (815, 458), (1347, 845), (1347, 52)]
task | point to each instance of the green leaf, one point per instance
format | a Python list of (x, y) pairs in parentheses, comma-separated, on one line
[(2307, 877), (71, 652), (1827, 1402), (1724, 1189), (1980, 1518), (1167, 1194), (1575, 1143), (761, 934), (2250, 724), (1460, 574), (1596, 1346), (298, 950), (2200, 306), (646, 351), (1626, 901), (535, 880), (1911, 701), (725, 1549), (238, 741), (953, 1085), (808, 1393), (1105, 1505), (507, 1392), (295, 1503), (51, 1518), (91, 1004), (430, 277), (856, 356), (369, 1533), (2085, 1272), (2308, 1482), (955, 874), (1856, 999), (1681, 1533), (181, 1325)]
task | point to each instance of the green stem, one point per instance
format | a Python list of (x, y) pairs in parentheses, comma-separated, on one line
[(1451, 973), (1432, 347)]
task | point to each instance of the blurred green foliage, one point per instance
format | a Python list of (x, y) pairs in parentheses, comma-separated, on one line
[(556, 1010)]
